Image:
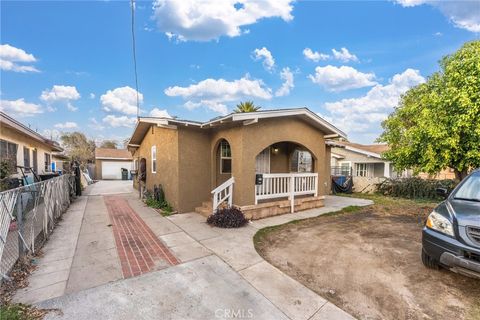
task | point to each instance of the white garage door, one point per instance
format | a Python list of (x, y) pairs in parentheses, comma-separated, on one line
[(112, 170)]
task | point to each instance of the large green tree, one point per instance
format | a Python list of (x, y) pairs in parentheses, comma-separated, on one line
[(247, 106), (109, 144), (78, 147), (437, 124)]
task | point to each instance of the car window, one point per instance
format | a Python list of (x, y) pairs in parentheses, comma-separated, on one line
[(470, 189)]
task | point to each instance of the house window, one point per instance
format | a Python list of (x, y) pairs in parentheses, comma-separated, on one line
[(301, 161), (35, 160), (225, 157), (48, 163), (361, 169), (26, 157), (8, 153), (154, 159)]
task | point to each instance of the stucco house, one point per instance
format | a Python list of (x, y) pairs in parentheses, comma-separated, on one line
[(266, 162), (364, 163), (110, 162), (24, 147)]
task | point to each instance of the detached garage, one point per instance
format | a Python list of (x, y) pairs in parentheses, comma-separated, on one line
[(110, 162)]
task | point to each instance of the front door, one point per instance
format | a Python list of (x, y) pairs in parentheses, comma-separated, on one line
[(262, 161)]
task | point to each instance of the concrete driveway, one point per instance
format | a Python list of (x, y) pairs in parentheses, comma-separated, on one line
[(106, 187), (115, 258)]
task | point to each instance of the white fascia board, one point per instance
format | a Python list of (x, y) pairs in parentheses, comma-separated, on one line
[(110, 158), (367, 153)]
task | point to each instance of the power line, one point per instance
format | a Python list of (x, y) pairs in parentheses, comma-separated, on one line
[(132, 5)]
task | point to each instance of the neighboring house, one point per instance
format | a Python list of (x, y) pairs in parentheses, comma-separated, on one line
[(195, 162), (59, 162), (110, 162), (364, 163), (24, 147)]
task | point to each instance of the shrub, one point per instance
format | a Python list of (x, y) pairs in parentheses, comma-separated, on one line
[(231, 217), (414, 188)]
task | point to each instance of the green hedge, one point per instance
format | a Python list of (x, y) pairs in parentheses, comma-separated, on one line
[(414, 188)]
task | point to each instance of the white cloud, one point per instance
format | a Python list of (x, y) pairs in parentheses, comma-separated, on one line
[(341, 78), (120, 121), (314, 55), (60, 93), (92, 95), (14, 59), (366, 112), (155, 112), (213, 93), (122, 100), (211, 105), (52, 134), (66, 125), (265, 55), (210, 19), (287, 77), (95, 125), (344, 55), (463, 14), (20, 108)]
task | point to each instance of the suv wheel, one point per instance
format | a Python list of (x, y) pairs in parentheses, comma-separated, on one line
[(428, 261)]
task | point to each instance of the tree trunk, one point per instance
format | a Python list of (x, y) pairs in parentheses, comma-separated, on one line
[(460, 174)]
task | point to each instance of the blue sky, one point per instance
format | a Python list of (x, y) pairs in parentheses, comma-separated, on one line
[(68, 65)]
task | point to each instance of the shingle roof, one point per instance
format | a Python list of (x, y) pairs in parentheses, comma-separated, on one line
[(112, 153)]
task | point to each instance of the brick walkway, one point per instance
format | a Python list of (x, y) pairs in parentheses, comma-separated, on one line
[(138, 248)]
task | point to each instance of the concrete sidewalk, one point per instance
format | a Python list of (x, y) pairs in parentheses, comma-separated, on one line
[(236, 248), (219, 268), (202, 289)]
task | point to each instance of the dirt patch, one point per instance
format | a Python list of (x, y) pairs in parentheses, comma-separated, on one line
[(368, 263)]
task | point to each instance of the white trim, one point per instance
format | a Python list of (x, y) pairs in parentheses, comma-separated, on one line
[(367, 153), (226, 158), (113, 158), (153, 151)]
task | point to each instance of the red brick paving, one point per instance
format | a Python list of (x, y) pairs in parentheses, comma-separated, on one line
[(138, 247)]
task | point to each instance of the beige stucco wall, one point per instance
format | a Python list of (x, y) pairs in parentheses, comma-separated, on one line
[(248, 141), (280, 160), (167, 173), (11, 135), (187, 159), (195, 169), (98, 169)]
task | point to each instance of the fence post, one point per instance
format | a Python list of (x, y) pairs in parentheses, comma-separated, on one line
[(21, 246), (292, 193)]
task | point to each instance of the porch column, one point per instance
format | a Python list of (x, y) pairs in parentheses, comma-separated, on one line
[(386, 170)]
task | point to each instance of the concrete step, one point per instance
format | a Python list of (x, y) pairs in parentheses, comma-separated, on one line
[(207, 204), (203, 211)]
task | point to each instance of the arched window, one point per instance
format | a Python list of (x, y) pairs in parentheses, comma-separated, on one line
[(225, 157)]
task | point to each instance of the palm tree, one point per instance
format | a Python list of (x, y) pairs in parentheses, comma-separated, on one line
[(247, 106)]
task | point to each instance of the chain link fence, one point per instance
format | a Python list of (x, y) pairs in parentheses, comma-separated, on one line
[(28, 215)]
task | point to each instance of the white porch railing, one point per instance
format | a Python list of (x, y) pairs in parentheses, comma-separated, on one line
[(278, 185), (223, 192)]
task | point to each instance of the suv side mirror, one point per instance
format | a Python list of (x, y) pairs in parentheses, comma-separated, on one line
[(442, 192)]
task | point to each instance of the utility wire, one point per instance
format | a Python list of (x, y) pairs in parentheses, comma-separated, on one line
[(132, 5)]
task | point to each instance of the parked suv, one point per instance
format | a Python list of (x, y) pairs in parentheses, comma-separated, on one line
[(451, 236)]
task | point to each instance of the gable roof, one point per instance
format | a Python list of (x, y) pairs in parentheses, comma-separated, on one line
[(113, 154), (6, 120), (371, 150), (310, 117)]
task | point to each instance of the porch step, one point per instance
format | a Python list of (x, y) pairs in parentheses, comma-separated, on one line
[(206, 208)]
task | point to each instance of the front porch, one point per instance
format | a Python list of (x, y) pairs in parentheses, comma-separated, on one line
[(285, 180)]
